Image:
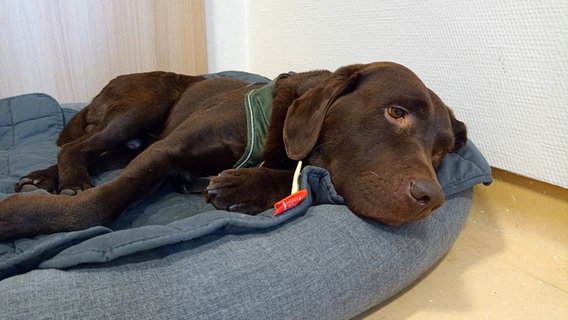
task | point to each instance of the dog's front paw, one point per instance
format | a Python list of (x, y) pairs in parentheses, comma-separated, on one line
[(249, 190), (234, 190)]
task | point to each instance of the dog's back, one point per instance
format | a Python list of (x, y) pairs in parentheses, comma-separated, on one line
[(156, 90)]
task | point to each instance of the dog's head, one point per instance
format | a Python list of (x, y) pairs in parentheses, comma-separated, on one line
[(381, 133)]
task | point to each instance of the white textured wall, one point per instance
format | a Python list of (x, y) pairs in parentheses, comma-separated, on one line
[(501, 65), (226, 35)]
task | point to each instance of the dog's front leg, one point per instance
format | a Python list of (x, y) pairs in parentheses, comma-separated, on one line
[(249, 190), (29, 214)]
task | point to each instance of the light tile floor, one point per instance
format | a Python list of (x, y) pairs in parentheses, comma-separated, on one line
[(509, 262)]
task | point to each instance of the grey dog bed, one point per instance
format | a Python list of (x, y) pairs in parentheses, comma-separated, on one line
[(175, 257)]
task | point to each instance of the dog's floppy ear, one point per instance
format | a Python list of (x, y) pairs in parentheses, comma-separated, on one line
[(306, 114), (460, 132), (459, 129)]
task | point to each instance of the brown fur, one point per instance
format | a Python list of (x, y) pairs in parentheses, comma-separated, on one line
[(376, 128)]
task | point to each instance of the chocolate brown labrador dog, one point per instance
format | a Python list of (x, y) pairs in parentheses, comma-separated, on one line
[(376, 128)]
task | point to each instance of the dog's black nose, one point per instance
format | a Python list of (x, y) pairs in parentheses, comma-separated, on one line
[(427, 193)]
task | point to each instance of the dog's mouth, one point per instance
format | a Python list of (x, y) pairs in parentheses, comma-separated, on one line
[(396, 219), (393, 201)]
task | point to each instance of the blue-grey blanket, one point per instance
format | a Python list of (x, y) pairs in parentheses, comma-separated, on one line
[(29, 126)]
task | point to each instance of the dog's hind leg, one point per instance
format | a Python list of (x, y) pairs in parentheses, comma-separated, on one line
[(75, 158), (28, 214), (84, 144), (124, 120), (46, 179)]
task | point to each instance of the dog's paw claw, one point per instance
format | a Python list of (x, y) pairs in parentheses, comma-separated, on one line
[(27, 184), (211, 191), (26, 180), (68, 192), (41, 179), (75, 189), (28, 187)]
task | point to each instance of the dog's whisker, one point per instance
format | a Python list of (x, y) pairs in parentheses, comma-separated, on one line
[(370, 172)]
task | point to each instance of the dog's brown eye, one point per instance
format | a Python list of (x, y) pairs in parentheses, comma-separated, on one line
[(397, 112)]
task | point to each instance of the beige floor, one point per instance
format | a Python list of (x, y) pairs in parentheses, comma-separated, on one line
[(510, 261)]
